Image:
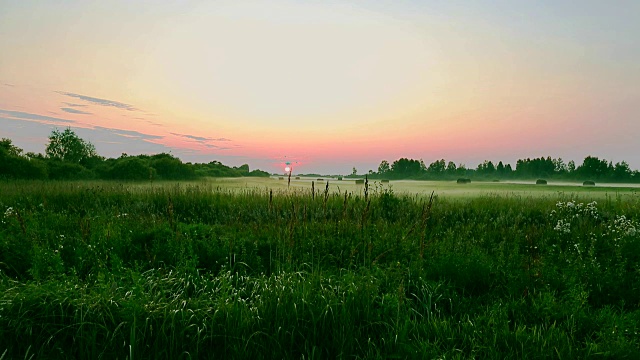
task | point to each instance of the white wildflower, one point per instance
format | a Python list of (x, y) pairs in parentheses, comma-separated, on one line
[(9, 212), (563, 227)]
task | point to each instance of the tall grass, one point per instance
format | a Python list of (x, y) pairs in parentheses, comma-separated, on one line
[(195, 271)]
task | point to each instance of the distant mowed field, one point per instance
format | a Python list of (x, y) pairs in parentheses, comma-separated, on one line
[(449, 189)]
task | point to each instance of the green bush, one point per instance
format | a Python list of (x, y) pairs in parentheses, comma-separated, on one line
[(131, 168), (65, 170)]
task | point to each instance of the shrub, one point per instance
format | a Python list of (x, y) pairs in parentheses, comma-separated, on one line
[(17, 167), (384, 181), (541, 182), (168, 167), (589, 183), (359, 182), (64, 170), (340, 178), (257, 173), (131, 168), (463, 181)]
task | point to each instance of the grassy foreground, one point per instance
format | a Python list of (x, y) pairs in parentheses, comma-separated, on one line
[(110, 271)]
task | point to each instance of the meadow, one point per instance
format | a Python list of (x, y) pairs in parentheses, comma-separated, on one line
[(259, 269)]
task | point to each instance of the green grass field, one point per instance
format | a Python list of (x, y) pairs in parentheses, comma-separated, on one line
[(253, 269)]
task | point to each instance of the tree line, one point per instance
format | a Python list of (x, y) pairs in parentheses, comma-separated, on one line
[(68, 157), (592, 168)]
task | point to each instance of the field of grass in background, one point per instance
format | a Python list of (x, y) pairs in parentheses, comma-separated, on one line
[(207, 270), (449, 189)]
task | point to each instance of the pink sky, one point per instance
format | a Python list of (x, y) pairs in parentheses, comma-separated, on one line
[(327, 85)]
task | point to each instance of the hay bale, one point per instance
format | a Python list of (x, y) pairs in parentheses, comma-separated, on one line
[(359, 182), (463, 181), (541, 182), (320, 179), (589, 183), (297, 177), (280, 178)]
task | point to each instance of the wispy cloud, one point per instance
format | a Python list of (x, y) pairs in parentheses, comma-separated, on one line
[(75, 111), (130, 133), (34, 117), (74, 105), (115, 139), (200, 138), (153, 123), (98, 101), (210, 146), (49, 120), (10, 85)]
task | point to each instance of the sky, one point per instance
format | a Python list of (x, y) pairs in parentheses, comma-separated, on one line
[(326, 85)]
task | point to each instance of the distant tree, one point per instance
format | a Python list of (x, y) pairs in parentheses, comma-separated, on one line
[(437, 166), (9, 148), (384, 167), (423, 167), (32, 155), (67, 146), (490, 167), (451, 167), (508, 169), (461, 170), (571, 166), (622, 171), (486, 168), (594, 168), (539, 167), (404, 167), (559, 166), (354, 172)]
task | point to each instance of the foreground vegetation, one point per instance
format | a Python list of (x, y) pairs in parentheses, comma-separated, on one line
[(198, 271)]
